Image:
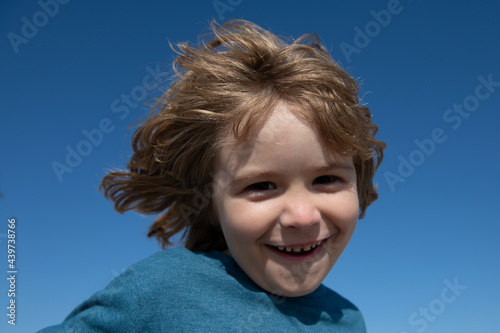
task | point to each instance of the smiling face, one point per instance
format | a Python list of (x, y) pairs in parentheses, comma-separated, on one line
[(287, 204)]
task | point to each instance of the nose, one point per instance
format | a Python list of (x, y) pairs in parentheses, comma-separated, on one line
[(300, 211)]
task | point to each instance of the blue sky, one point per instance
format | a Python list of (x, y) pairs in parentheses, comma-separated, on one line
[(424, 259)]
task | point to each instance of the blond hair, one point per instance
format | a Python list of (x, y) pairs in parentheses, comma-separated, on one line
[(229, 85)]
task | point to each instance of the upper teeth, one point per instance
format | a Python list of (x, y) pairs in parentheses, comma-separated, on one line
[(298, 249)]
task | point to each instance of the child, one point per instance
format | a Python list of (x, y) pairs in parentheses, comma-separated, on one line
[(262, 156)]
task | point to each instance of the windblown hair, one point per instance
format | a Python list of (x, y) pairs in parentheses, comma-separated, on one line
[(228, 86)]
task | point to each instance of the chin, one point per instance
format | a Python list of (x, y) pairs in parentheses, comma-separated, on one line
[(294, 289), (299, 292)]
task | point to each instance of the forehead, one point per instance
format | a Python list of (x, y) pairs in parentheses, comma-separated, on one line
[(284, 137), (263, 122)]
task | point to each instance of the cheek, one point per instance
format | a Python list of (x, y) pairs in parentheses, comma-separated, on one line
[(246, 221), (346, 211), (237, 221)]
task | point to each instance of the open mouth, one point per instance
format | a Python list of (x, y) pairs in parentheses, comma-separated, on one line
[(298, 251)]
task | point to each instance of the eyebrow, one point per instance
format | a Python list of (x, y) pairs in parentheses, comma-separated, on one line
[(252, 174), (335, 166)]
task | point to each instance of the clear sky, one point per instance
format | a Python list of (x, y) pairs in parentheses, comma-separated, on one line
[(425, 257)]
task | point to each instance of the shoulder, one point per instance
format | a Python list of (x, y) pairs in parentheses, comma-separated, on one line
[(172, 266), (180, 275), (148, 295), (178, 259), (163, 271)]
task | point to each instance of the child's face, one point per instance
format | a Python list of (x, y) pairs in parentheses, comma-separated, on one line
[(285, 190)]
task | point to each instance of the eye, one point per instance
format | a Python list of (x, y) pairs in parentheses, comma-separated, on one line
[(324, 180), (260, 187)]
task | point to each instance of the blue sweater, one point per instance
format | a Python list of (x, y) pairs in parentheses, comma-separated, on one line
[(181, 291)]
